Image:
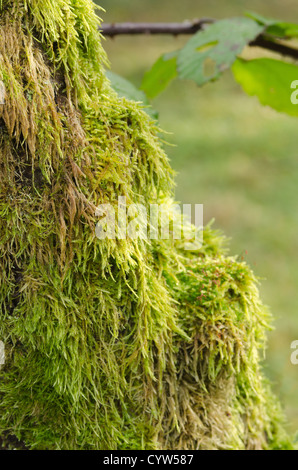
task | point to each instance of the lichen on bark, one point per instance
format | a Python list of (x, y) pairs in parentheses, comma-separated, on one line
[(110, 344)]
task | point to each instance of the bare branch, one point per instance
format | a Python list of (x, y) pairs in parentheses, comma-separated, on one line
[(275, 46), (175, 29), (188, 28)]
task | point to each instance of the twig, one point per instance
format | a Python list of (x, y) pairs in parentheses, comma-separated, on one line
[(274, 46), (174, 29), (188, 27)]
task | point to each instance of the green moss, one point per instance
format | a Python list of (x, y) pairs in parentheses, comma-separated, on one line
[(110, 344)]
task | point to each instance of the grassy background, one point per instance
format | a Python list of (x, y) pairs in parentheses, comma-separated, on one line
[(236, 157)]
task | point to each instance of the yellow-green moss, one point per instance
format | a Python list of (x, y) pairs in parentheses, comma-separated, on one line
[(114, 344)]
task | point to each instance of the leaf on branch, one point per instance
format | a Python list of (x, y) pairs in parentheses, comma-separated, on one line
[(216, 48), (274, 27), (126, 89), (270, 80), (160, 75)]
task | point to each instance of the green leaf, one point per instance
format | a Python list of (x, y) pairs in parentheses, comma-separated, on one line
[(260, 19), (216, 47), (160, 75), (274, 27), (126, 89), (270, 80)]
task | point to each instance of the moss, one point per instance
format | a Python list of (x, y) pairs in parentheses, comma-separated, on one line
[(110, 344)]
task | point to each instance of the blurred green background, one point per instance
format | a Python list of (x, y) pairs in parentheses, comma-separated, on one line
[(236, 157)]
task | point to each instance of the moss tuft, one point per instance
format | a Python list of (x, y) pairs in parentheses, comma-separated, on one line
[(110, 344)]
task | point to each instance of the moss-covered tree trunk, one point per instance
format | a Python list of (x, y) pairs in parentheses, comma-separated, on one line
[(110, 344)]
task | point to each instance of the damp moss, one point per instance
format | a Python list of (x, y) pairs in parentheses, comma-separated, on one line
[(110, 344)]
